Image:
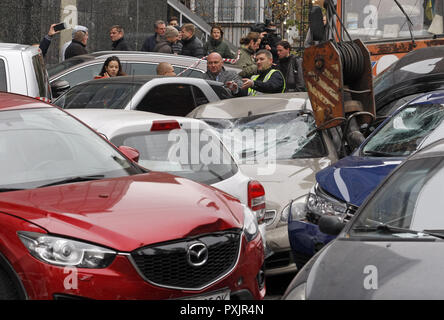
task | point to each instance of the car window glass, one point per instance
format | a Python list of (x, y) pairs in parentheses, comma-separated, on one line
[(98, 96), (190, 73), (172, 151), (169, 99), (65, 65), (3, 79), (82, 74), (285, 136), (139, 69), (41, 76), (392, 106), (408, 199), (199, 96), (405, 131), (38, 146)]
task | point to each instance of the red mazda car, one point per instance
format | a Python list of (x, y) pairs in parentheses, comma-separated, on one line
[(80, 219)]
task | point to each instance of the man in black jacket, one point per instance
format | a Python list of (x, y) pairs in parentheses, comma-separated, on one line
[(116, 34), (291, 67), (158, 36), (78, 45), (192, 46), (269, 80)]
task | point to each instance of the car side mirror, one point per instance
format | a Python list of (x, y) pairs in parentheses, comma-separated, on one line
[(131, 153), (331, 225), (58, 87)]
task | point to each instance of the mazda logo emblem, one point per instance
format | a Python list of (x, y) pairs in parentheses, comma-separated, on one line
[(197, 254)]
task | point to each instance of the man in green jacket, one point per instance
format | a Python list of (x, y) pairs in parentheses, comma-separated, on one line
[(249, 46)]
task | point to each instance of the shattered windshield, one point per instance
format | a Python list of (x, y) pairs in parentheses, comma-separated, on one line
[(277, 136), (405, 131), (373, 20)]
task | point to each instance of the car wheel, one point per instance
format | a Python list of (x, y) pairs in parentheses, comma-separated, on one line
[(8, 290)]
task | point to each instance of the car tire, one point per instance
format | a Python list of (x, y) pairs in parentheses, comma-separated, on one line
[(8, 289)]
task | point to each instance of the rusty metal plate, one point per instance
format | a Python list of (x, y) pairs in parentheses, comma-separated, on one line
[(324, 82)]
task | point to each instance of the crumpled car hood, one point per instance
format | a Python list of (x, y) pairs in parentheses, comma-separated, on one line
[(353, 178)]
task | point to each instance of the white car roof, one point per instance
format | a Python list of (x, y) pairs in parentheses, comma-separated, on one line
[(250, 106), (111, 122)]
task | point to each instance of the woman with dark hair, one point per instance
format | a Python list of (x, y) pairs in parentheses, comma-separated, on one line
[(217, 44), (111, 68), (249, 45)]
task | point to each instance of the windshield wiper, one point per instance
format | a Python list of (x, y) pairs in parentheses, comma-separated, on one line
[(378, 154), (74, 179), (391, 229)]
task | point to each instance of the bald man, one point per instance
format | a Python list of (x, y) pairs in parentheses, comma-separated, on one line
[(165, 69), (217, 72)]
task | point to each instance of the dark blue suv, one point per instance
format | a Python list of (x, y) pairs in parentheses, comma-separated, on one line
[(342, 187)]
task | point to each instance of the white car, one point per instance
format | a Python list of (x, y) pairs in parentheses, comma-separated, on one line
[(165, 95), (22, 70), (179, 146)]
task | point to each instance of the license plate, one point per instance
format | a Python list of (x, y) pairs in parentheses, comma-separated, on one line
[(215, 295)]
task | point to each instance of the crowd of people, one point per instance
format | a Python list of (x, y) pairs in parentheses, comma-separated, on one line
[(265, 60)]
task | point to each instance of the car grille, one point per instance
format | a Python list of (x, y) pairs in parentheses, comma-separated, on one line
[(167, 264), (269, 217)]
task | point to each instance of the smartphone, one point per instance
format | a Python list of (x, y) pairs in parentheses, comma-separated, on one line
[(60, 26)]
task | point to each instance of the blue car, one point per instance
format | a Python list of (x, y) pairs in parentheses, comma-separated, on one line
[(342, 187)]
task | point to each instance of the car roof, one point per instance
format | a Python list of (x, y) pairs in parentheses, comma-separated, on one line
[(432, 150), (9, 101), (16, 47), (112, 120), (249, 106)]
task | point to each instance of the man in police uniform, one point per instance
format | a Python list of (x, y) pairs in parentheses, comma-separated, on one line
[(269, 80)]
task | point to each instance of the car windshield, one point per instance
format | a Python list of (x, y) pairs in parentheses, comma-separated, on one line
[(100, 95), (281, 135), (42, 146), (405, 130), (409, 200), (376, 20), (65, 65), (190, 153)]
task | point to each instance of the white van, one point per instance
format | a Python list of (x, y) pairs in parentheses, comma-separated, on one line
[(22, 70)]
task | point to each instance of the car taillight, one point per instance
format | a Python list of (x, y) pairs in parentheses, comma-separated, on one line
[(164, 125), (256, 199)]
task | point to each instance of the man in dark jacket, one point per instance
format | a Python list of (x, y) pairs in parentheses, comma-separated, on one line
[(158, 36), (171, 37), (291, 67), (46, 41), (269, 80), (78, 45), (192, 46), (116, 34)]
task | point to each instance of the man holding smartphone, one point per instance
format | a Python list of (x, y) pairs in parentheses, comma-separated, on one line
[(46, 41)]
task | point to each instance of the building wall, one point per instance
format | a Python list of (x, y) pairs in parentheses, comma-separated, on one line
[(27, 21)]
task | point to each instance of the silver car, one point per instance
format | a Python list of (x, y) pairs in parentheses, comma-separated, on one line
[(85, 67), (288, 126)]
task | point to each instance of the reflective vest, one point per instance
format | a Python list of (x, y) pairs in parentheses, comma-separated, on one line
[(252, 92)]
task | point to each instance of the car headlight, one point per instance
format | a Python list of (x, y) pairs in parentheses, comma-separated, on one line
[(298, 293), (320, 203), (251, 228), (66, 252), (295, 210)]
